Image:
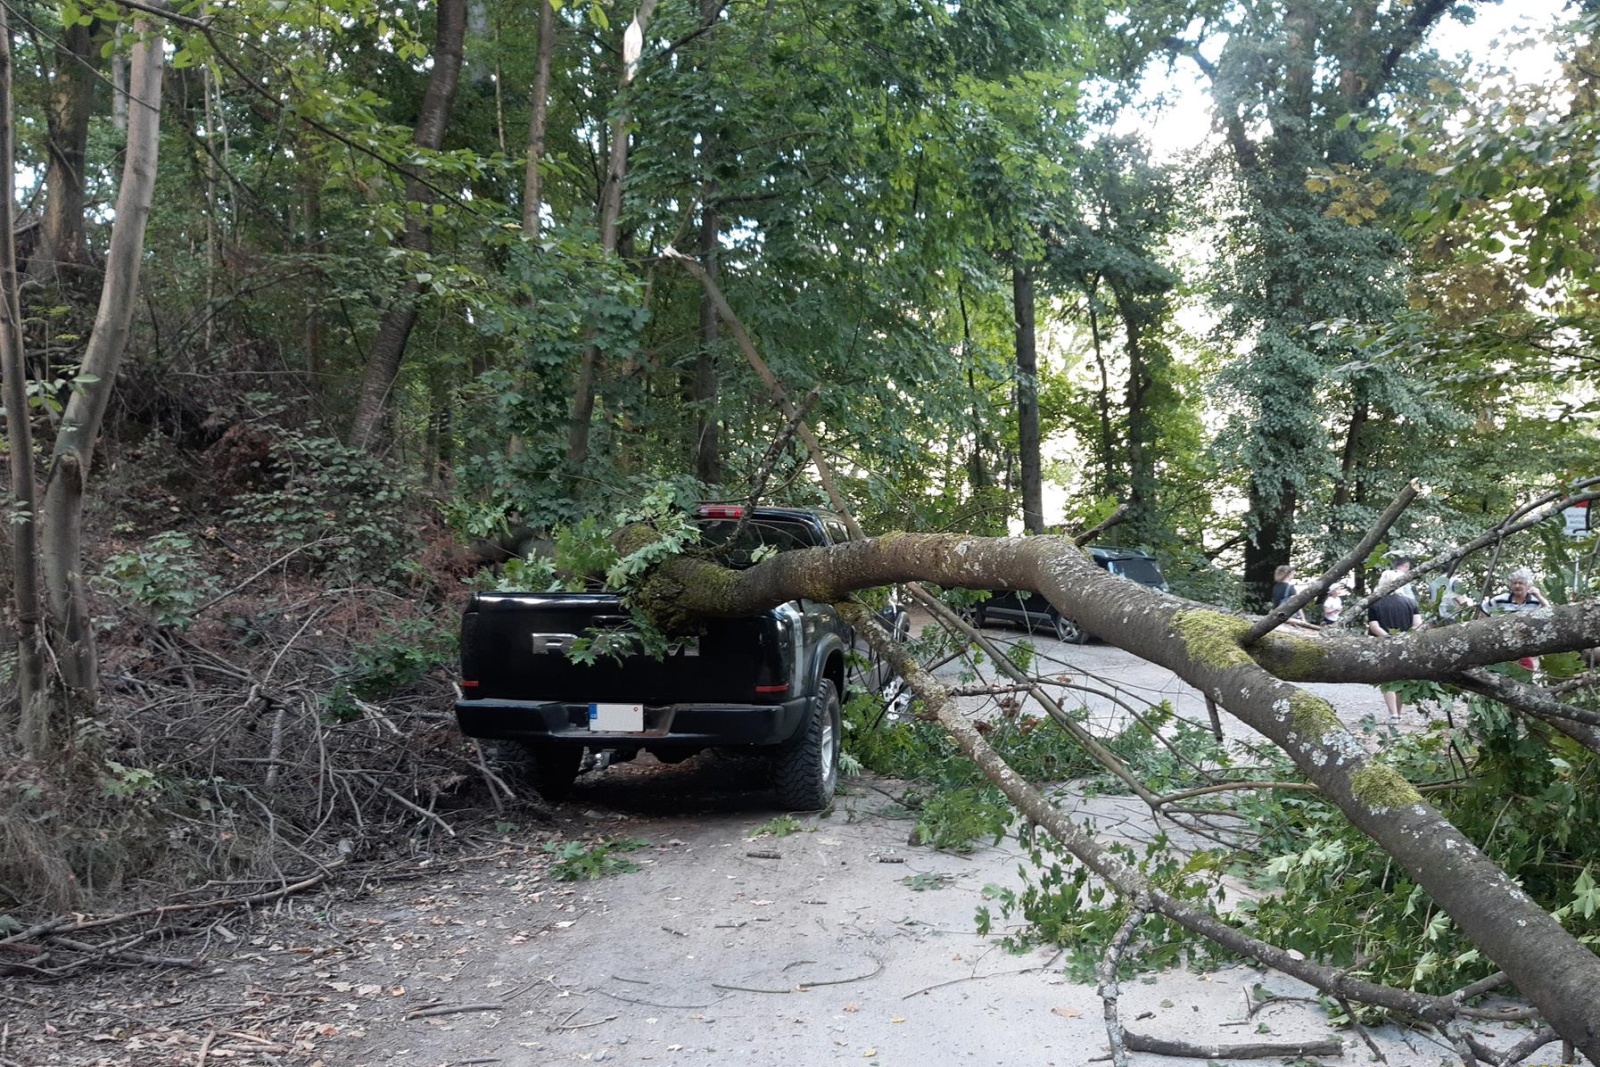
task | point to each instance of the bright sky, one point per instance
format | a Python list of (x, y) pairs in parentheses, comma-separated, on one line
[(1486, 44)]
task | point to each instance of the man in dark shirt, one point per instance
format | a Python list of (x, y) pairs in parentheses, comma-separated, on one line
[(1392, 614)]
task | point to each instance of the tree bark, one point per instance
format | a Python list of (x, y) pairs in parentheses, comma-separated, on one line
[(19, 435), (583, 378), (1028, 444), (67, 112), (61, 527), (703, 397), (532, 182), (1139, 313), (708, 435), (1203, 646), (394, 330), (1272, 510)]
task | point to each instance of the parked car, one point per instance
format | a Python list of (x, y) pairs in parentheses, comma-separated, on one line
[(769, 683), (1033, 612)]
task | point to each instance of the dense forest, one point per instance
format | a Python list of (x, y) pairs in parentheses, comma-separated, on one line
[(317, 316)]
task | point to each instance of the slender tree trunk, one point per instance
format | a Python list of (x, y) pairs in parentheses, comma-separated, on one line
[(1140, 480), (583, 379), (708, 438), (19, 434), (61, 527), (532, 195), (1344, 490), (67, 111), (316, 245), (119, 85), (1107, 449), (1028, 398), (394, 330)]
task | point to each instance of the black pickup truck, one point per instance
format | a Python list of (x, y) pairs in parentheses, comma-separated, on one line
[(769, 683)]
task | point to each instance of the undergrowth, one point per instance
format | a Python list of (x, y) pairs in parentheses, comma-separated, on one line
[(954, 804), (1528, 797)]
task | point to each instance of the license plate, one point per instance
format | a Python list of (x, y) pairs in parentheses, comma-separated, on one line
[(616, 718)]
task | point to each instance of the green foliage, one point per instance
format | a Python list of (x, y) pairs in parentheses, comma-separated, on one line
[(397, 656), (576, 861), (954, 804), (954, 819), (1529, 802), (780, 826), (164, 577), (921, 883), (1062, 903), (339, 509)]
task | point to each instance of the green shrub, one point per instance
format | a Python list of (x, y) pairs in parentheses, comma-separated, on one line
[(345, 513), (397, 657), (163, 577), (578, 862)]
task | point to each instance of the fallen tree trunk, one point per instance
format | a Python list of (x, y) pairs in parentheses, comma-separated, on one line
[(1207, 648)]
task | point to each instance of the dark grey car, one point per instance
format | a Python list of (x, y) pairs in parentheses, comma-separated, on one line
[(1033, 612)]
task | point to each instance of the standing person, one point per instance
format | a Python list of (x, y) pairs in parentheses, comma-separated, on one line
[(1282, 584), (1333, 604), (1520, 595), (1399, 566), (1390, 615)]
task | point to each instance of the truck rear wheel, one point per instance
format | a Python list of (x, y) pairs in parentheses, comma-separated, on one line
[(551, 769), (807, 770)]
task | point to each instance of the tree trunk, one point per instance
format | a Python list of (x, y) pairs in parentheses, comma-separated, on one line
[(1028, 398), (1270, 544), (61, 527), (532, 181), (19, 434), (1548, 965), (583, 379), (67, 111), (1344, 488), (1141, 470), (708, 437), (394, 330)]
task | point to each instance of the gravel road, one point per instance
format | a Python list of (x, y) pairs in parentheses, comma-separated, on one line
[(839, 943)]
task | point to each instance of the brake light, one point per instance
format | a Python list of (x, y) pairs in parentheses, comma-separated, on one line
[(772, 688), (720, 511), (465, 684)]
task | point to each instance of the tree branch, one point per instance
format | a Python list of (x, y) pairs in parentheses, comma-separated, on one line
[(1282, 613)]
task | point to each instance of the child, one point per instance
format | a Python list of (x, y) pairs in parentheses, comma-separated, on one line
[(1333, 603)]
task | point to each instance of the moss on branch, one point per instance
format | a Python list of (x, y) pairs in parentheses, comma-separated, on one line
[(1213, 638)]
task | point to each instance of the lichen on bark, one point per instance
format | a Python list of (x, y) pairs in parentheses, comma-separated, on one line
[(664, 597), (1292, 657)]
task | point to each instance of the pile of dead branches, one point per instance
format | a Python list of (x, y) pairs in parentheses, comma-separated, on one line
[(233, 754)]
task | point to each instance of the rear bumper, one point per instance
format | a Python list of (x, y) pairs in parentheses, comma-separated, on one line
[(700, 725)]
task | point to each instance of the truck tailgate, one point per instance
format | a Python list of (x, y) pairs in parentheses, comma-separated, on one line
[(514, 647)]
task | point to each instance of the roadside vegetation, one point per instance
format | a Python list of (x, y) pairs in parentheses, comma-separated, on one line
[(320, 318)]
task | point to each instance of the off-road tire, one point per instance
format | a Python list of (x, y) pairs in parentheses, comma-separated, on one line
[(545, 768), (806, 768)]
